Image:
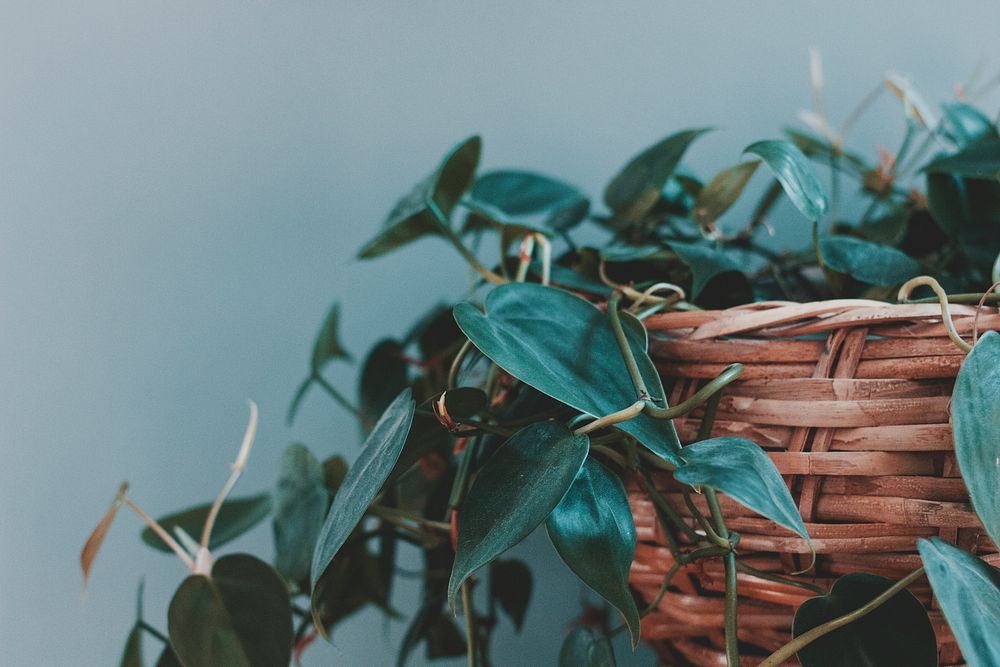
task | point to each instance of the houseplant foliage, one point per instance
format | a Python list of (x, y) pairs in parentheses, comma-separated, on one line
[(533, 402)]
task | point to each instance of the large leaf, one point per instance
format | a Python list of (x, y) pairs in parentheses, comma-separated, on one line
[(363, 482), (868, 262), (968, 591), (412, 216), (563, 346), (510, 587), (792, 169), (593, 531), (722, 192), (975, 415), (300, 502), (513, 493), (896, 633), (979, 160), (584, 648), (740, 469), (637, 187), (523, 192), (236, 516), (384, 374), (240, 616)]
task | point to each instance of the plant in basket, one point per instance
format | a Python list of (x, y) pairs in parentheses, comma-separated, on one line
[(751, 454)]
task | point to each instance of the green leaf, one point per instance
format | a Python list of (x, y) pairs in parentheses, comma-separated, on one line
[(740, 469), (236, 516), (975, 415), (363, 482), (722, 192), (564, 347), (966, 124), (593, 531), (946, 202), (352, 580), (240, 616), (513, 493), (968, 591), (132, 655), (444, 639), (817, 148), (327, 346), (896, 633), (510, 586), (636, 188), (584, 648), (300, 502), (868, 262), (706, 264), (979, 160), (792, 169), (412, 217), (384, 374), (168, 658), (523, 192)]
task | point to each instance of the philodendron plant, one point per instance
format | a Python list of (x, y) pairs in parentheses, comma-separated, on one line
[(534, 402)]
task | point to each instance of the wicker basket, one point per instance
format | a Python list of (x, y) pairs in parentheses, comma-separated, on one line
[(851, 400)]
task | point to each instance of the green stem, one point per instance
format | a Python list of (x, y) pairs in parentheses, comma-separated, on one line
[(729, 374), (336, 395), (456, 364), (661, 504), (626, 349), (611, 454), (778, 579), (732, 639), (460, 485), (470, 623), (153, 631)]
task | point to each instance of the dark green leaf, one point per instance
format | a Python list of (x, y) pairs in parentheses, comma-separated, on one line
[(563, 346), (740, 469), (968, 591), (593, 531), (722, 192), (975, 415), (462, 402), (896, 633), (384, 374), (412, 216), (706, 264), (889, 229), (168, 658), (351, 581), (513, 493), (979, 160), (637, 187), (327, 345), (334, 472), (966, 124), (510, 586), (239, 617), (523, 193), (444, 639), (363, 482), (567, 217), (946, 201), (132, 655), (868, 262), (236, 516), (300, 502), (584, 648), (792, 169)]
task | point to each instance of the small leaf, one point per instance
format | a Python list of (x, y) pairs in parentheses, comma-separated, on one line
[(868, 262), (132, 655), (239, 617), (523, 192), (412, 217), (636, 188), (384, 374), (584, 648), (896, 633), (722, 192), (979, 160), (513, 493), (706, 264), (792, 169), (327, 346), (593, 531), (237, 516), (334, 472), (740, 469), (968, 591), (93, 544), (300, 503), (363, 482), (975, 415), (510, 586)]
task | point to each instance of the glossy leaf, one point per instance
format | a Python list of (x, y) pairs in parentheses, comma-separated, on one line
[(300, 503), (636, 188), (584, 648), (896, 633), (523, 192), (975, 415), (868, 262), (968, 591), (979, 160), (240, 616), (510, 587), (236, 516), (564, 347), (593, 531), (740, 469), (722, 192), (384, 374), (792, 169), (363, 482), (412, 216), (513, 493)]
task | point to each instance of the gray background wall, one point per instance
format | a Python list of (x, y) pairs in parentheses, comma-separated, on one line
[(183, 186)]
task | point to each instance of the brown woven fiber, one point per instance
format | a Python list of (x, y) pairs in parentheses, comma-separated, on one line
[(851, 400)]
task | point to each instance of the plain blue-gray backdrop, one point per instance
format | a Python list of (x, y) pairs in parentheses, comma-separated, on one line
[(183, 186)]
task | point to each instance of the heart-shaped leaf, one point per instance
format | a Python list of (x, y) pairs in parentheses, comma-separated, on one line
[(412, 216), (868, 262), (300, 502), (240, 616), (979, 160), (563, 346), (236, 516), (523, 192), (384, 374), (513, 493), (975, 415), (968, 591), (593, 531), (510, 586), (740, 469), (792, 169), (363, 482), (722, 192), (584, 648), (896, 633)]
